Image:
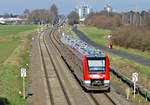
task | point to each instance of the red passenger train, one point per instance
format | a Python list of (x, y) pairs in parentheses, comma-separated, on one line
[(91, 66)]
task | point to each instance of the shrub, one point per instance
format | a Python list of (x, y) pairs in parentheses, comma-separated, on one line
[(101, 20), (132, 37)]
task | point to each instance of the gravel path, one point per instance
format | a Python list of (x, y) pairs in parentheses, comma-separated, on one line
[(138, 59)]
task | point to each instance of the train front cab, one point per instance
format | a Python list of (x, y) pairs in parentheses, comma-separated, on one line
[(96, 73)]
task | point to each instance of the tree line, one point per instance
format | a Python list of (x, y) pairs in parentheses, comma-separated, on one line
[(42, 15), (38, 16), (135, 18), (73, 18), (102, 20)]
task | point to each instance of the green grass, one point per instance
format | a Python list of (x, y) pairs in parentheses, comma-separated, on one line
[(6, 49), (10, 36), (9, 30), (15, 43), (134, 52), (67, 30), (11, 84), (97, 35)]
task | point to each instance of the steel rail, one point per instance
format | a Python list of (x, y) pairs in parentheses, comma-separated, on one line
[(46, 74), (54, 65)]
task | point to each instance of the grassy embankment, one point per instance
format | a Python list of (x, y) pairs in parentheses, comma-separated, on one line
[(67, 30), (123, 65), (15, 43)]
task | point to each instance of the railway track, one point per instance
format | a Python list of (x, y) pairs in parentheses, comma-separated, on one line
[(56, 43), (46, 74), (53, 96), (62, 86)]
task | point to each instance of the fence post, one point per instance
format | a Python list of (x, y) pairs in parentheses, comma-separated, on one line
[(146, 96)]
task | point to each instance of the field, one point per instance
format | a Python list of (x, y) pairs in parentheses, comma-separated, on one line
[(96, 34), (10, 36), (15, 43)]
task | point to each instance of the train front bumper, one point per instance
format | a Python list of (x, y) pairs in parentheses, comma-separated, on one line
[(105, 86)]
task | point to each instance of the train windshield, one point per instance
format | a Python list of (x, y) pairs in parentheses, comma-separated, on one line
[(97, 65)]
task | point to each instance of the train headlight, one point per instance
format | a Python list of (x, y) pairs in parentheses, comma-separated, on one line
[(87, 82), (106, 82)]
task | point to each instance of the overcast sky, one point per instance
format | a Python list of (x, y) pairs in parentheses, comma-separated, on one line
[(65, 6)]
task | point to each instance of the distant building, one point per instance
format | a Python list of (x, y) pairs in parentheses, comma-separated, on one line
[(108, 8), (11, 20), (83, 10)]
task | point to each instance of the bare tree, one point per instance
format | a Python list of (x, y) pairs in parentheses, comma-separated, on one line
[(40, 16), (73, 18), (6, 15), (26, 13), (53, 14)]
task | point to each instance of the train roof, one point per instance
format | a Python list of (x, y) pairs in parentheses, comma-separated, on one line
[(82, 46)]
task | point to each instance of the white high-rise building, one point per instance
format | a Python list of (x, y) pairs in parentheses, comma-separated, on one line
[(83, 11), (108, 8)]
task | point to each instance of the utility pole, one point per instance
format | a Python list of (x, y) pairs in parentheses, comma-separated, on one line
[(137, 7), (136, 14)]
